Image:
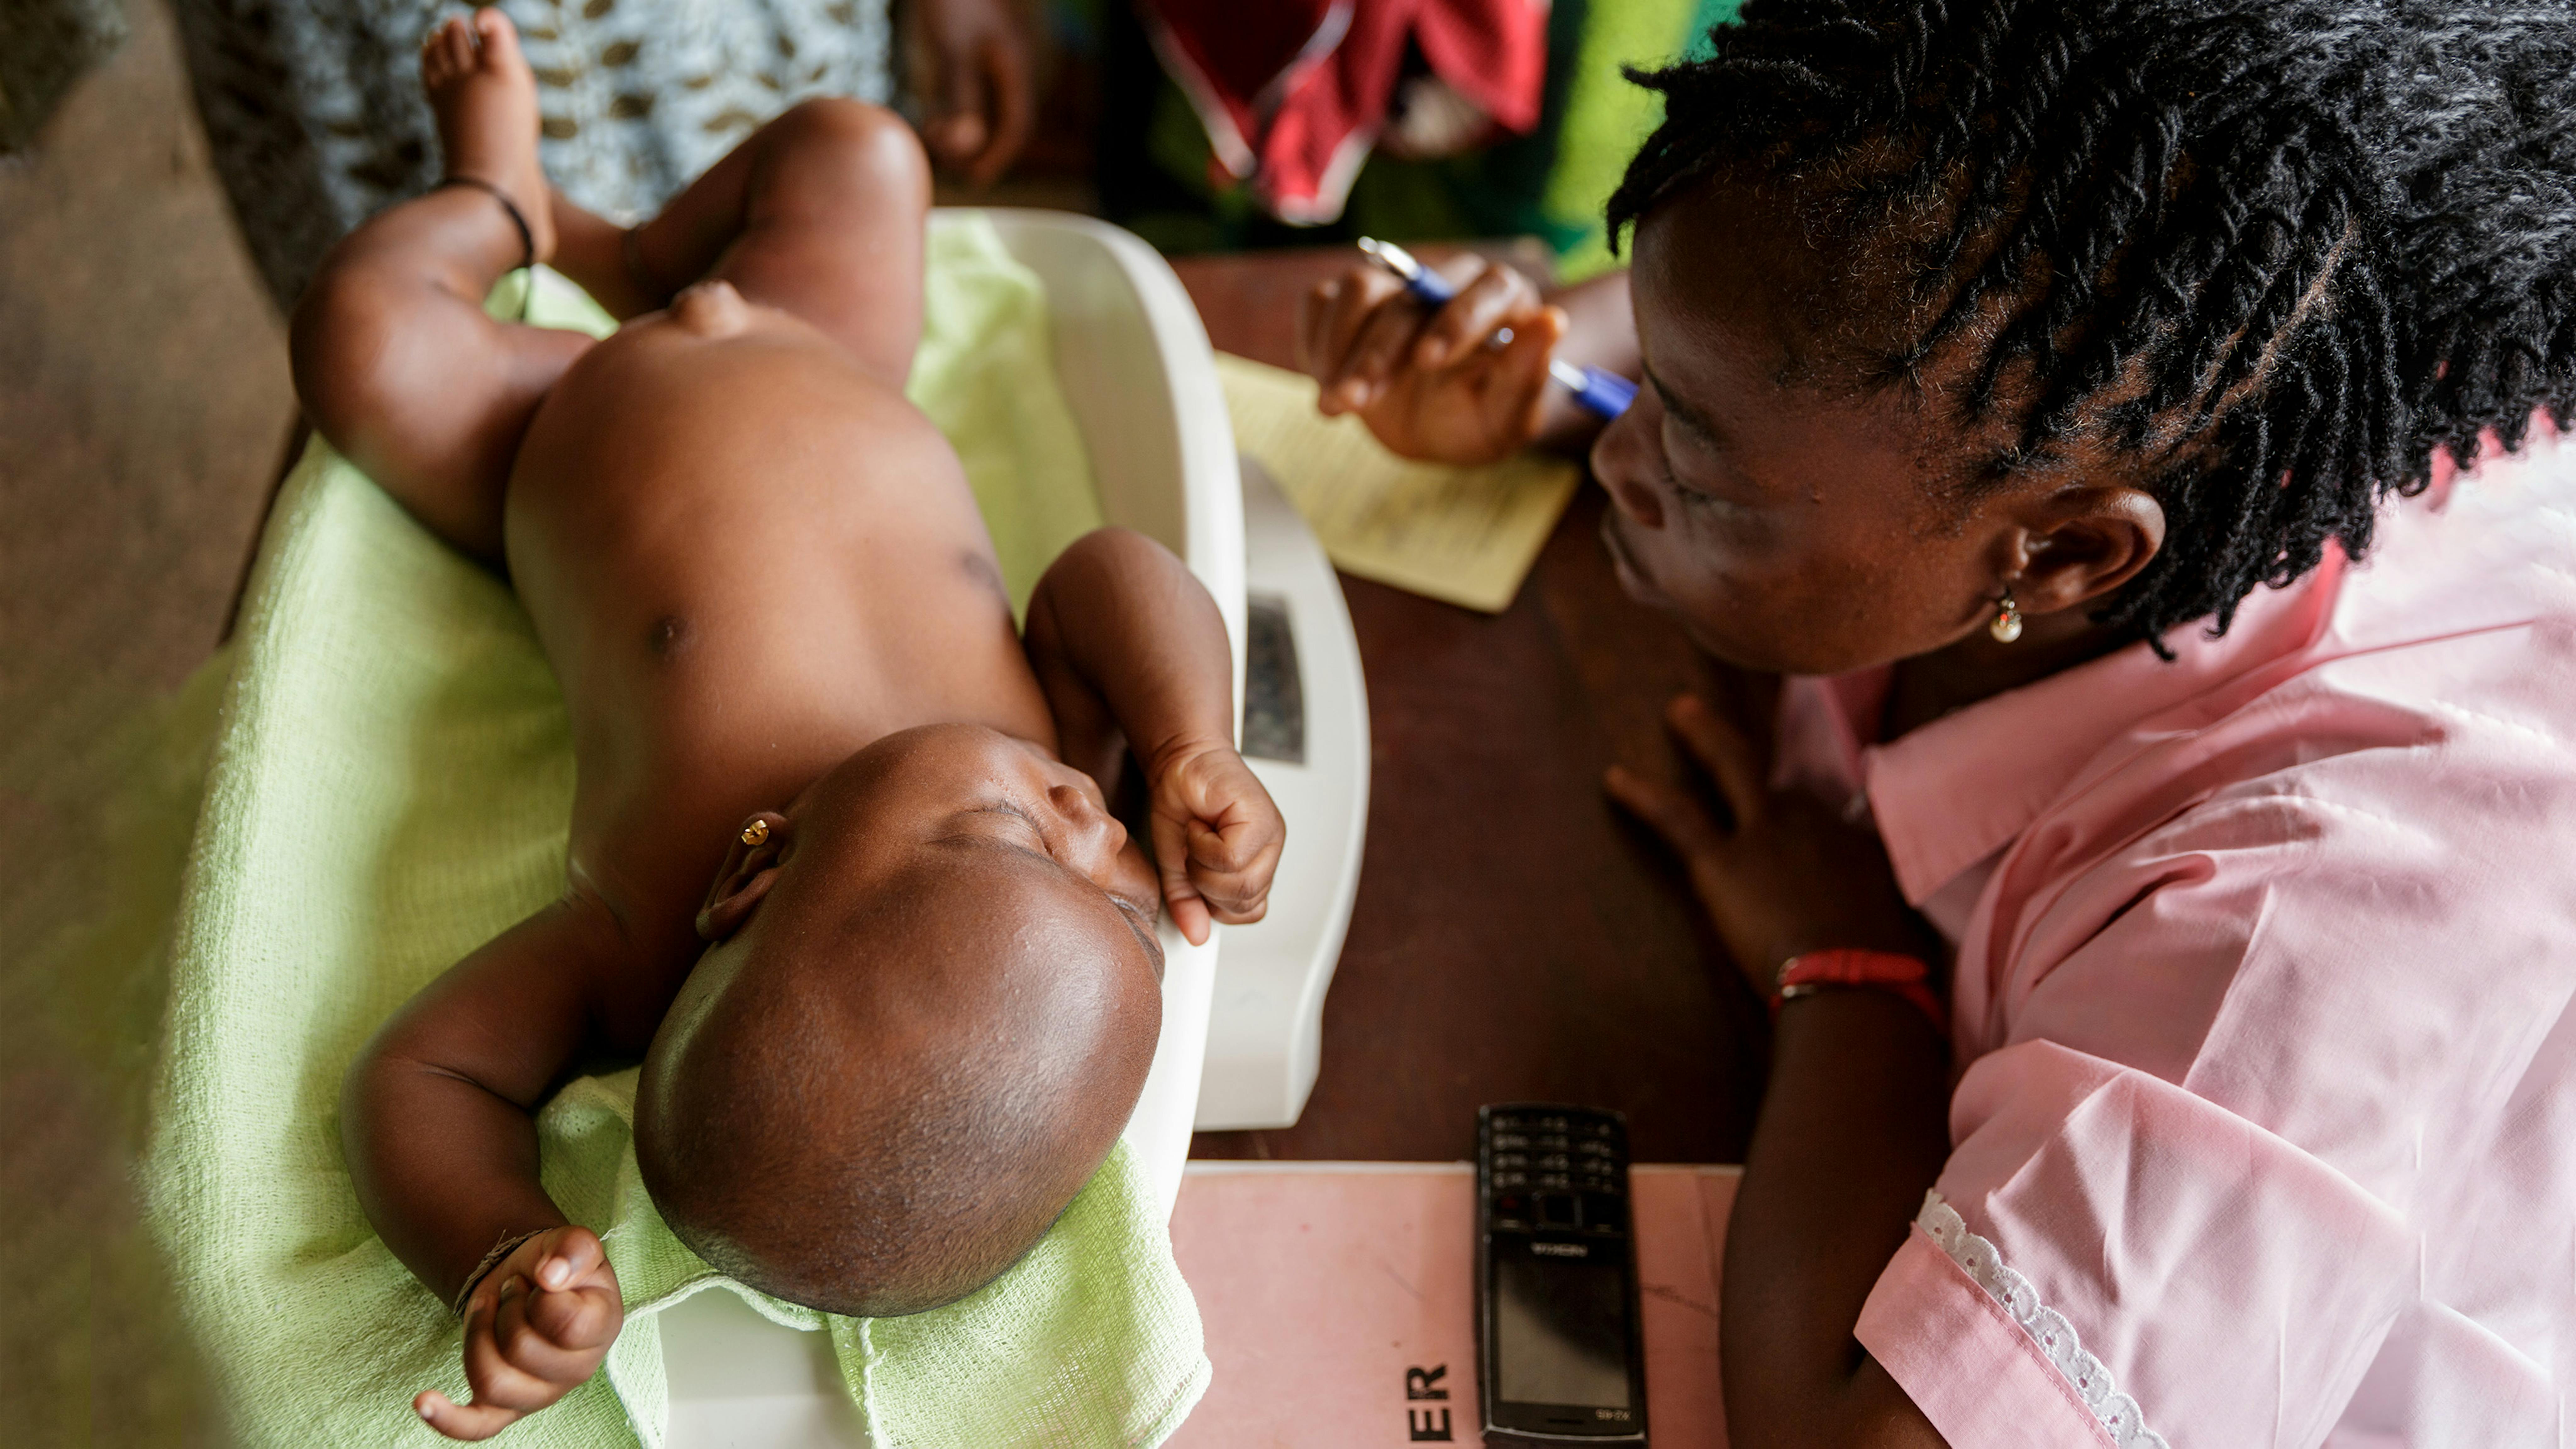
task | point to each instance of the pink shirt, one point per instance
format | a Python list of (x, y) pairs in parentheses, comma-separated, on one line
[(2265, 1127)]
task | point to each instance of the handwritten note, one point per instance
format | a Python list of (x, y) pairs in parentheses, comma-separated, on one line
[(1464, 535)]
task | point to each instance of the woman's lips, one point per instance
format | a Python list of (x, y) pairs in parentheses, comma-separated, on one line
[(1632, 578)]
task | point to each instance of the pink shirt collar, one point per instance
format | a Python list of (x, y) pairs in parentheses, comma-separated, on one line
[(1951, 793)]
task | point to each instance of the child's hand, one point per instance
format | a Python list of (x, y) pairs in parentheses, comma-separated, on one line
[(1216, 838), (972, 71), (1428, 384), (535, 1329)]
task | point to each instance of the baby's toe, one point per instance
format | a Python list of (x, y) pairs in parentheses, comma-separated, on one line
[(455, 50), (499, 39)]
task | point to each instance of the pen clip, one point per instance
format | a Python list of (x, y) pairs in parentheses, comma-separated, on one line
[(1392, 257)]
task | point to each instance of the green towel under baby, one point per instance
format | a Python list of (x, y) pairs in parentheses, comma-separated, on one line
[(391, 786)]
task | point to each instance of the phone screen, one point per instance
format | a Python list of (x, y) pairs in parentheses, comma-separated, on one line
[(1560, 1332)]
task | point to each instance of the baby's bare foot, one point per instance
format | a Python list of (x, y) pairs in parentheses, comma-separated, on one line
[(485, 101)]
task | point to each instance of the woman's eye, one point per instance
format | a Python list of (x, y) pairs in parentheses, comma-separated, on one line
[(1688, 495), (1672, 476)]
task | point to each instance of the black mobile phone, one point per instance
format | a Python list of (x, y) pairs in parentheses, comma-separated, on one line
[(1561, 1355)]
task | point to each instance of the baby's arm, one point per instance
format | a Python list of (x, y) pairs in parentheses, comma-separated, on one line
[(437, 1120), (1125, 641)]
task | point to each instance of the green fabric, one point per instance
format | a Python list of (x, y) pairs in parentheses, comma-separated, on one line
[(1607, 117), (985, 374), (391, 784)]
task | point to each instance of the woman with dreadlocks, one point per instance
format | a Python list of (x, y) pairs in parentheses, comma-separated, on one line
[(2064, 399)]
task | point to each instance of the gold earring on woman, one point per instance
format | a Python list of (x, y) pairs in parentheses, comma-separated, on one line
[(756, 832), (2007, 625)]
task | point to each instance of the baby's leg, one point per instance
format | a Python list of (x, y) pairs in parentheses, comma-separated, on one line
[(395, 360), (818, 213)]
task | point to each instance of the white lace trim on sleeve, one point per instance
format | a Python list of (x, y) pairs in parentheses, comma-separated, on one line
[(2048, 1328)]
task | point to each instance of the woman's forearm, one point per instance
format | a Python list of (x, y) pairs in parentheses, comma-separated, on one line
[(1852, 1131), (1854, 1125)]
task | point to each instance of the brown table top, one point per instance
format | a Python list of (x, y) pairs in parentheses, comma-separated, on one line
[(1514, 937)]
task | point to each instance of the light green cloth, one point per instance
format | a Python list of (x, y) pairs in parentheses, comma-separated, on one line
[(391, 786), (985, 374)]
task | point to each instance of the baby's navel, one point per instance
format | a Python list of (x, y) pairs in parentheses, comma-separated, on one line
[(667, 636)]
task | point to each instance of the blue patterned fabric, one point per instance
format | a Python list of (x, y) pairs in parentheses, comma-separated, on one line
[(314, 112)]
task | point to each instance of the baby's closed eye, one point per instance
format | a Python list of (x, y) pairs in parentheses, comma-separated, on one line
[(1140, 919)]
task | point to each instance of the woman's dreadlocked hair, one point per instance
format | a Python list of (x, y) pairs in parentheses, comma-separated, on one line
[(2312, 241)]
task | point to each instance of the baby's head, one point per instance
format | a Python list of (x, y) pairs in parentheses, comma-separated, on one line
[(932, 997)]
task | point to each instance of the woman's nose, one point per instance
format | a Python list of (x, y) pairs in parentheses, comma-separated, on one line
[(1619, 461)]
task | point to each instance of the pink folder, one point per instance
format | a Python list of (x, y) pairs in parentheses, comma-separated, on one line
[(1340, 1314)]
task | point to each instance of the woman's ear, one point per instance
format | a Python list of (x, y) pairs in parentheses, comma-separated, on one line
[(2085, 544), (750, 869)]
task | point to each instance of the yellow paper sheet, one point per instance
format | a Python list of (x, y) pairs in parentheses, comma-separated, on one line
[(1465, 535)]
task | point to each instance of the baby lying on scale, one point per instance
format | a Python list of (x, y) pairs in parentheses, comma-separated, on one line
[(910, 1015)]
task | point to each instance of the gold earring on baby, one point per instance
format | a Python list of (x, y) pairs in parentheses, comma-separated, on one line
[(756, 832), (2007, 623)]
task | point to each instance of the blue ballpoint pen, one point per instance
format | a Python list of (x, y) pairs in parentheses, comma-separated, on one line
[(1598, 389)]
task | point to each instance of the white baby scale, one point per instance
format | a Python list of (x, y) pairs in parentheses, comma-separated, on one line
[(1239, 1037)]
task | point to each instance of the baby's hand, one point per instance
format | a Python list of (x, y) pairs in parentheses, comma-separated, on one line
[(1216, 838), (535, 1328)]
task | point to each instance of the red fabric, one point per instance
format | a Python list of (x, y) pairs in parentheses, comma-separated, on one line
[(1293, 92)]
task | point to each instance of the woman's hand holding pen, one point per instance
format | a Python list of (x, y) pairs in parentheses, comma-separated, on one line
[(1433, 384)]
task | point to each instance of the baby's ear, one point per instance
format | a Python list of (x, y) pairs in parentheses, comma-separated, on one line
[(750, 868)]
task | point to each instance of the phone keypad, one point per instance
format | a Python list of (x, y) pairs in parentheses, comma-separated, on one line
[(1555, 1172)]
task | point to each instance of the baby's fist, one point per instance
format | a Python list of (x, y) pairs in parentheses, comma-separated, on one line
[(1216, 838), (536, 1327)]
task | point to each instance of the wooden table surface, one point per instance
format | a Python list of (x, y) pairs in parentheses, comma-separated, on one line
[(1514, 936)]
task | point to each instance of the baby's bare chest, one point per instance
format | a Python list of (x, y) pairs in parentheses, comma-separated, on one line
[(718, 652), (744, 567)]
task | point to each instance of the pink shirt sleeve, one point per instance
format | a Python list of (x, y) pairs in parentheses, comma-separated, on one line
[(2266, 1008), (2113, 1242), (2205, 1035)]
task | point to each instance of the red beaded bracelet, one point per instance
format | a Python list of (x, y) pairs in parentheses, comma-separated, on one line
[(1905, 976)]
